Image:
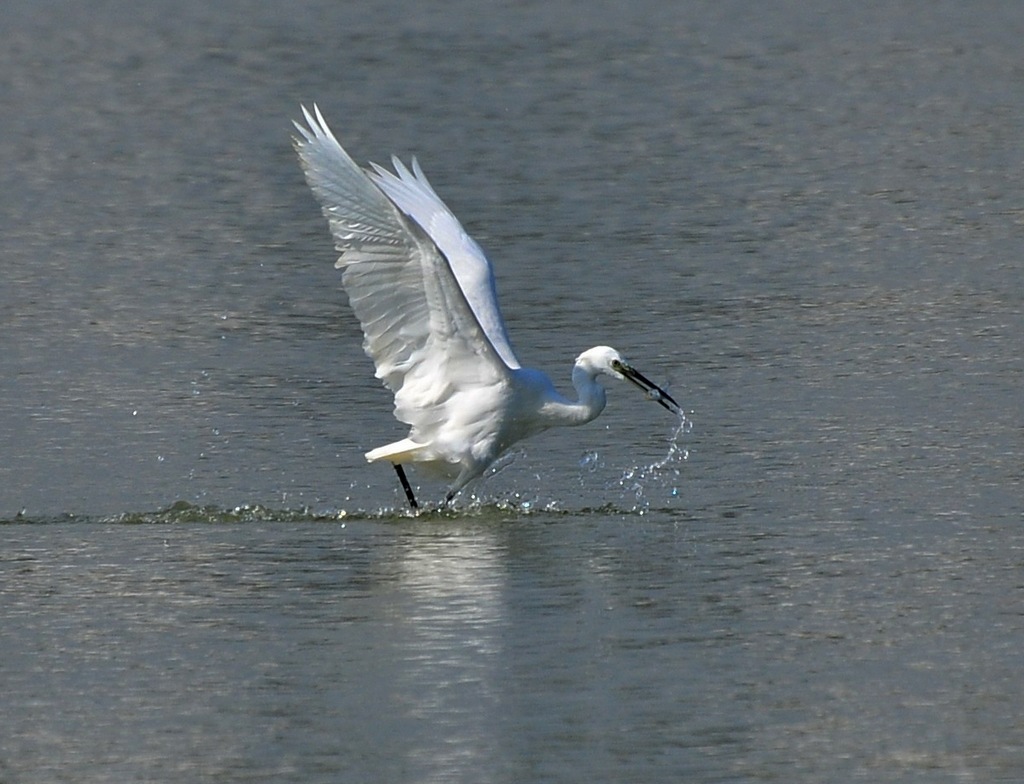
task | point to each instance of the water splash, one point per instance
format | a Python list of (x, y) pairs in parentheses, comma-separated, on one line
[(183, 512), (662, 475)]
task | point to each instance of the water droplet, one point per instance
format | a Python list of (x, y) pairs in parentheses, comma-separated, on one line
[(590, 461)]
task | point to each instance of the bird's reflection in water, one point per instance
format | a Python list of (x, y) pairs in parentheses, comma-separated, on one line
[(451, 608)]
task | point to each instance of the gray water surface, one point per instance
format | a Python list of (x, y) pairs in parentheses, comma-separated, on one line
[(807, 222)]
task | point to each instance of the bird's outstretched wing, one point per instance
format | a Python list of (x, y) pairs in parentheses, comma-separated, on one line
[(412, 193), (425, 339)]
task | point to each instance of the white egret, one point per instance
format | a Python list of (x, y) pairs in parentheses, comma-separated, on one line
[(424, 293)]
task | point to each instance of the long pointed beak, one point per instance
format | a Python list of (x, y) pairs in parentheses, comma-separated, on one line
[(652, 390)]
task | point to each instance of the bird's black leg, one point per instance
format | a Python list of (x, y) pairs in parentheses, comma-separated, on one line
[(405, 485)]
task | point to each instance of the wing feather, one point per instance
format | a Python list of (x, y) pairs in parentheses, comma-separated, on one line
[(426, 340), (412, 193)]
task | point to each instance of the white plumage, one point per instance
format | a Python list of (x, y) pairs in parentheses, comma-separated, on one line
[(424, 293)]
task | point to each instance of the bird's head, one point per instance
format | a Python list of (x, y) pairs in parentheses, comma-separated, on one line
[(606, 360)]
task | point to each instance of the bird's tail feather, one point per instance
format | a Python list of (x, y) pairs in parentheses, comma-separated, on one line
[(404, 451)]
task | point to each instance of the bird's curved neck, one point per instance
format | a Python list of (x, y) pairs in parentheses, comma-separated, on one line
[(591, 399)]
